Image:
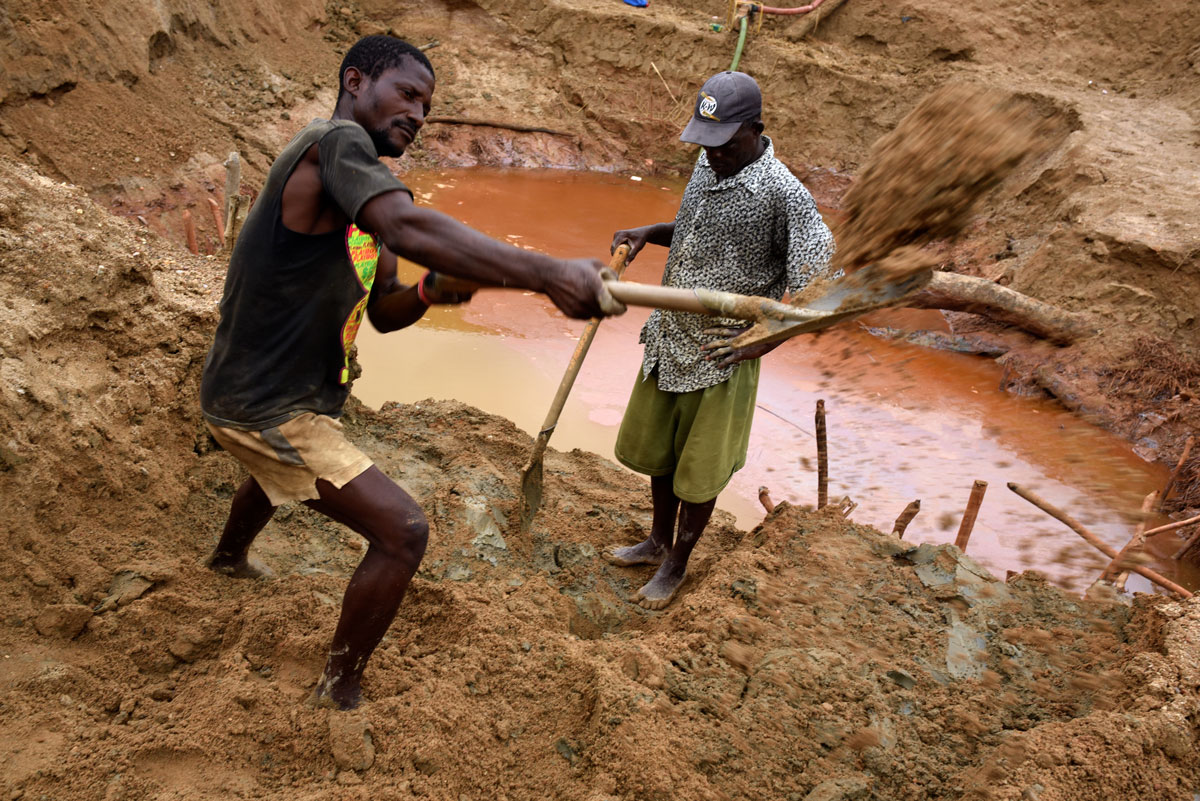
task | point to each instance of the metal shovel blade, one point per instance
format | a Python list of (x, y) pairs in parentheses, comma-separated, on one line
[(871, 288)]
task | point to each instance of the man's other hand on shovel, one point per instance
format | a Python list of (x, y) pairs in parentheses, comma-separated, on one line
[(725, 354), (638, 238)]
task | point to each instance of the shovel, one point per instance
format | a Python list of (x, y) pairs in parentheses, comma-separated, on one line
[(870, 288), (531, 474)]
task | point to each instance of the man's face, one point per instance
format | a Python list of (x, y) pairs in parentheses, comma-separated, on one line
[(740, 150), (392, 107)]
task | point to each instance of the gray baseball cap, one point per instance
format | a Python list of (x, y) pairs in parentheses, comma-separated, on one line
[(726, 100)]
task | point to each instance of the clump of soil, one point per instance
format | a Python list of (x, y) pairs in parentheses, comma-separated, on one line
[(810, 658), (921, 181)]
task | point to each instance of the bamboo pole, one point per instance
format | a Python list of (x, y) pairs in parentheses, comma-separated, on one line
[(1095, 541), (905, 518), (1187, 449), (1173, 526), (1118, 572), (764, 497), (968, 521), (189, 231), (822, 458)]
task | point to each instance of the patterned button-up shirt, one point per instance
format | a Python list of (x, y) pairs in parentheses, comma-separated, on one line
[(757, 232)]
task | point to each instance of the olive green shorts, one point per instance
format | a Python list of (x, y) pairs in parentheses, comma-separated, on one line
[(701, 436)]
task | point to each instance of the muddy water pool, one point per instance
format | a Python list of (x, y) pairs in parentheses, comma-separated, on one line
[(904, 422)]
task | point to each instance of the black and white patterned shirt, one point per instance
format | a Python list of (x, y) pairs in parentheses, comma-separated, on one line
[(754, 233)]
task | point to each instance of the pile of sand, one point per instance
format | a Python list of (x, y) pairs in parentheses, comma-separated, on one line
[(810, 658)]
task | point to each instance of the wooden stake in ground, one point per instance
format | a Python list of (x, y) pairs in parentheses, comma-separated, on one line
[(1118, 571), (1187, 450), (764, 497), (822, 458), (968, 521), (1098, 543), (217, 221), (231, 223), (189, 231), (905, 518), (233, 186)]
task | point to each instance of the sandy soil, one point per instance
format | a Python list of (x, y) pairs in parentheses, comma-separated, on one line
[(810, 658)]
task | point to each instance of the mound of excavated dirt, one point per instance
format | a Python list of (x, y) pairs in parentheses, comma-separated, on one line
[(810, 658)]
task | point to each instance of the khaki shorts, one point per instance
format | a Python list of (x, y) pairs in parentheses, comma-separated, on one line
[(700, 437), (287, 460)]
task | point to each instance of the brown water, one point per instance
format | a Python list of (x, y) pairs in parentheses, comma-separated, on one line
[(904, 422)]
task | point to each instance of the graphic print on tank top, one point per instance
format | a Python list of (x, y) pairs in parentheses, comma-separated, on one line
[(363, 250)]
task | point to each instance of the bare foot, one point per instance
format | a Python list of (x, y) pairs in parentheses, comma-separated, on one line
[(345, 695), (238, 567), (646, 552), (660, 590)]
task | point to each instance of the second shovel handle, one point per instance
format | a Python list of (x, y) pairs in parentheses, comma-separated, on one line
[(617, 265)]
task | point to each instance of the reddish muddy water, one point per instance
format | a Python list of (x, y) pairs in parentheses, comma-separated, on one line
[(904, 422)]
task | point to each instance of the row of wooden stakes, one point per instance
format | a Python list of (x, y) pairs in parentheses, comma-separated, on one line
[(1122, 563)]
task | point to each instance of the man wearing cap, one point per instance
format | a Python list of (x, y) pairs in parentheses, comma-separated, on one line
[(745, 225)]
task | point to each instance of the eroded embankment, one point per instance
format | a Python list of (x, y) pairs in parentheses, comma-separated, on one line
[(808, 656)]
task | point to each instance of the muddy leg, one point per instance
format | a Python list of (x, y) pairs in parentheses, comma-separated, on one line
[(653, 549), (248, 514), (396, 529), (661, 589)]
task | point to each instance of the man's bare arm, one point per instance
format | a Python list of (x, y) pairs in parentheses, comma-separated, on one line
[(395, 305), (441, 243)]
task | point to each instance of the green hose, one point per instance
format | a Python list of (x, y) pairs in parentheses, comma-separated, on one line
[(737, 54)]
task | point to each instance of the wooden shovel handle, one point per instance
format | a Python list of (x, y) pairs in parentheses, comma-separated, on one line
[(658, 297), (617, 265)]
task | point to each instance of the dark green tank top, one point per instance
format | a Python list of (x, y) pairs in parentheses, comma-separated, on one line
[(293, 302)]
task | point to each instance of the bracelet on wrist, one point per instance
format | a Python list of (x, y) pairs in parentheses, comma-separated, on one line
[(421, 289)]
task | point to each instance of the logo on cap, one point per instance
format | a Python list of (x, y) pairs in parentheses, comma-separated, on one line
[(708, 107)]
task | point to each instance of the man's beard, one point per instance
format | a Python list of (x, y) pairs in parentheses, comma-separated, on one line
[(383, 143)]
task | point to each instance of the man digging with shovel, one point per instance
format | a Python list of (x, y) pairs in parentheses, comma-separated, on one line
[(746, 225), (316, 254)]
